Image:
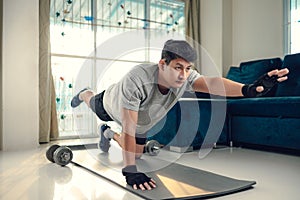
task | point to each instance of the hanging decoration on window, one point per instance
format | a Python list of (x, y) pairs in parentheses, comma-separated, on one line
[(164, 15), (88, 18), (62, 14), (66, 11), (62, 117)]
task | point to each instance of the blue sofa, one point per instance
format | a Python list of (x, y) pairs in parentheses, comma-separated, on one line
[(265, 123)]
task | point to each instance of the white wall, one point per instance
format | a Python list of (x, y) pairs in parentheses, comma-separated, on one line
[(233, 31), (257, 29), (227, 38), (20, 74), (211, 36), (216, 35)]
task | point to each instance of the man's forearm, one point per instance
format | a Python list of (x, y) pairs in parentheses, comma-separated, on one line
[(232, 88), (129, 149), (129, 121), (218, 86)]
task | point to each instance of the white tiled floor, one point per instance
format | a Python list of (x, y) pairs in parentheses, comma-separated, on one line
[(28, 175)]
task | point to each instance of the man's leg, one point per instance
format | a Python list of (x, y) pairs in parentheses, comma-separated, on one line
[(86, 96), (95, 103)]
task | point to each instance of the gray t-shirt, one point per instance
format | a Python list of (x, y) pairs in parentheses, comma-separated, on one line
[(138, 91)]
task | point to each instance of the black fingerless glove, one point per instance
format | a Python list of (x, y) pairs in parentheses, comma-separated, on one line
[(133, 176), (249, 90)]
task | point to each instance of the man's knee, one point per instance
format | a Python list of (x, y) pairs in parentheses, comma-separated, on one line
[(86, 96)]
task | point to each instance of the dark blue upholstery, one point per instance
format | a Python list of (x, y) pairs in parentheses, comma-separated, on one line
[(234, 74), (252, 70), (266, 107), (165, 131), (276, 133), (291, 87), (188, 123)]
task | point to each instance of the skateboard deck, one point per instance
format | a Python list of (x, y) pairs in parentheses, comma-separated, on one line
[(174, 181)]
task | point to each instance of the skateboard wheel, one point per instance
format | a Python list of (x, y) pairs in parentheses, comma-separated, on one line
[(63, 155)]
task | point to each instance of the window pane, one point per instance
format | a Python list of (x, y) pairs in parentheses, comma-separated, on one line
[(117, 45), (69, 75), (69, 33), (110, 72), (295, 26), (65, 44), (115, 18), (167, 16)]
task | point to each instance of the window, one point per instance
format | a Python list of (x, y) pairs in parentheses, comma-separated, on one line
[(292, 21), (81, 31)]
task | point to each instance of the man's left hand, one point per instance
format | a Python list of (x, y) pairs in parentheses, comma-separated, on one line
[(265, 83)]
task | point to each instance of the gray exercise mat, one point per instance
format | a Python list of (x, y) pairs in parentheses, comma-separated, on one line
[(174, 181)]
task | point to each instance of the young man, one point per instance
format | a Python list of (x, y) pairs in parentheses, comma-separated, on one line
[(145, 95)]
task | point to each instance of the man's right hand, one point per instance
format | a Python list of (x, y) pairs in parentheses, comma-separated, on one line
[(137, 179)]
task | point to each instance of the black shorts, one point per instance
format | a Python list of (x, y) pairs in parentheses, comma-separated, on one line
[(97, 107)]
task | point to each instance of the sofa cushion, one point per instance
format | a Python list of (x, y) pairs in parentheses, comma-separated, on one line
[(290, 87), (252, 70), (234, 74), (265, 107)]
